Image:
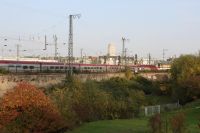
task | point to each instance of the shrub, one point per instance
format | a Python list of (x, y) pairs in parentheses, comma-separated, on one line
[(90, 103), (178, 123), (137, 100), (128, 73), (3, 71), (155, 123), (27, 109)]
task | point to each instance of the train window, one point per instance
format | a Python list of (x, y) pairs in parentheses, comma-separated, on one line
[(31, 67), (57, 67), (11, 66), (74, 68), (25, 67), (61, 67), (51, 67)]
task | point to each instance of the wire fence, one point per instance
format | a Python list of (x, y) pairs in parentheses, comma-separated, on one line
[(157, 109)]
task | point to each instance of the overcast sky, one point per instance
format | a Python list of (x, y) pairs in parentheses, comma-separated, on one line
[(150, 25)]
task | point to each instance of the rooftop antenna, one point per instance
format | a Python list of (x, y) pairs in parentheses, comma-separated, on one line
[(70, 43)]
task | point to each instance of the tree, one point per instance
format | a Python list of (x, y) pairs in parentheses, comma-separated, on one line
[(185, 67), (28, 109), (185, 72)]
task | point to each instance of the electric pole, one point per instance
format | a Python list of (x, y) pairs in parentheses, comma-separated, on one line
[(56, 47), (125, 54), (149, 59), (70, 43), (18, 52), (45, 43), (123, 48), (164, 50), (81, 55)]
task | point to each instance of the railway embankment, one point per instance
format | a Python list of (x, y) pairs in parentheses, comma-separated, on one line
[(9, 81)]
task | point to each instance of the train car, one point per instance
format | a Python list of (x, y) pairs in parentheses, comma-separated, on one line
[(43, 66), (138, 68)]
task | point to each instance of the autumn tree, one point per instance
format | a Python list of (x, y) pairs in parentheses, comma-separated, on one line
[(28, 109)]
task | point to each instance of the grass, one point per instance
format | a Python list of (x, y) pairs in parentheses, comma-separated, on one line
[(140, 125), (114, 126)]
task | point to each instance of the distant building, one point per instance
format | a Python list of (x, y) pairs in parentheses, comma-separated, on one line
[(111, 50)]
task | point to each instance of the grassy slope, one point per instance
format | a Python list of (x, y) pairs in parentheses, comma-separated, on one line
[(114, 126), (140, 125)]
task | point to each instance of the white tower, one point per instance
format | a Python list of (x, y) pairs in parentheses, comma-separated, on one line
[(111, 50)]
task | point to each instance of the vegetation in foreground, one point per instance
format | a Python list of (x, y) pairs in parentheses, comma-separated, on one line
[(190, 113), (28, 109)]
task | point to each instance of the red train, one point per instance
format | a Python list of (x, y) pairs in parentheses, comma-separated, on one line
[(44, 66)]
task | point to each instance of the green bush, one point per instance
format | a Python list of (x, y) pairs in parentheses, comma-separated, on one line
[(3, 71)]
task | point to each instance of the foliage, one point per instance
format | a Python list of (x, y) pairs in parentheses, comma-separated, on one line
[(137, 99), (3, 71), (27, 109), (185, 72), (155, 123), (90, 103), (128, 73), (119, 87), (145, 85), (128, 97), (185, 67), (178, 123), (91, 100), (63, 100)]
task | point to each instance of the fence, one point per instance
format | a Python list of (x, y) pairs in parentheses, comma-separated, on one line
[(157, 109)]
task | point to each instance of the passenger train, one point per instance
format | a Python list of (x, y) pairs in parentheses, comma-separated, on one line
[(43, 66)]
